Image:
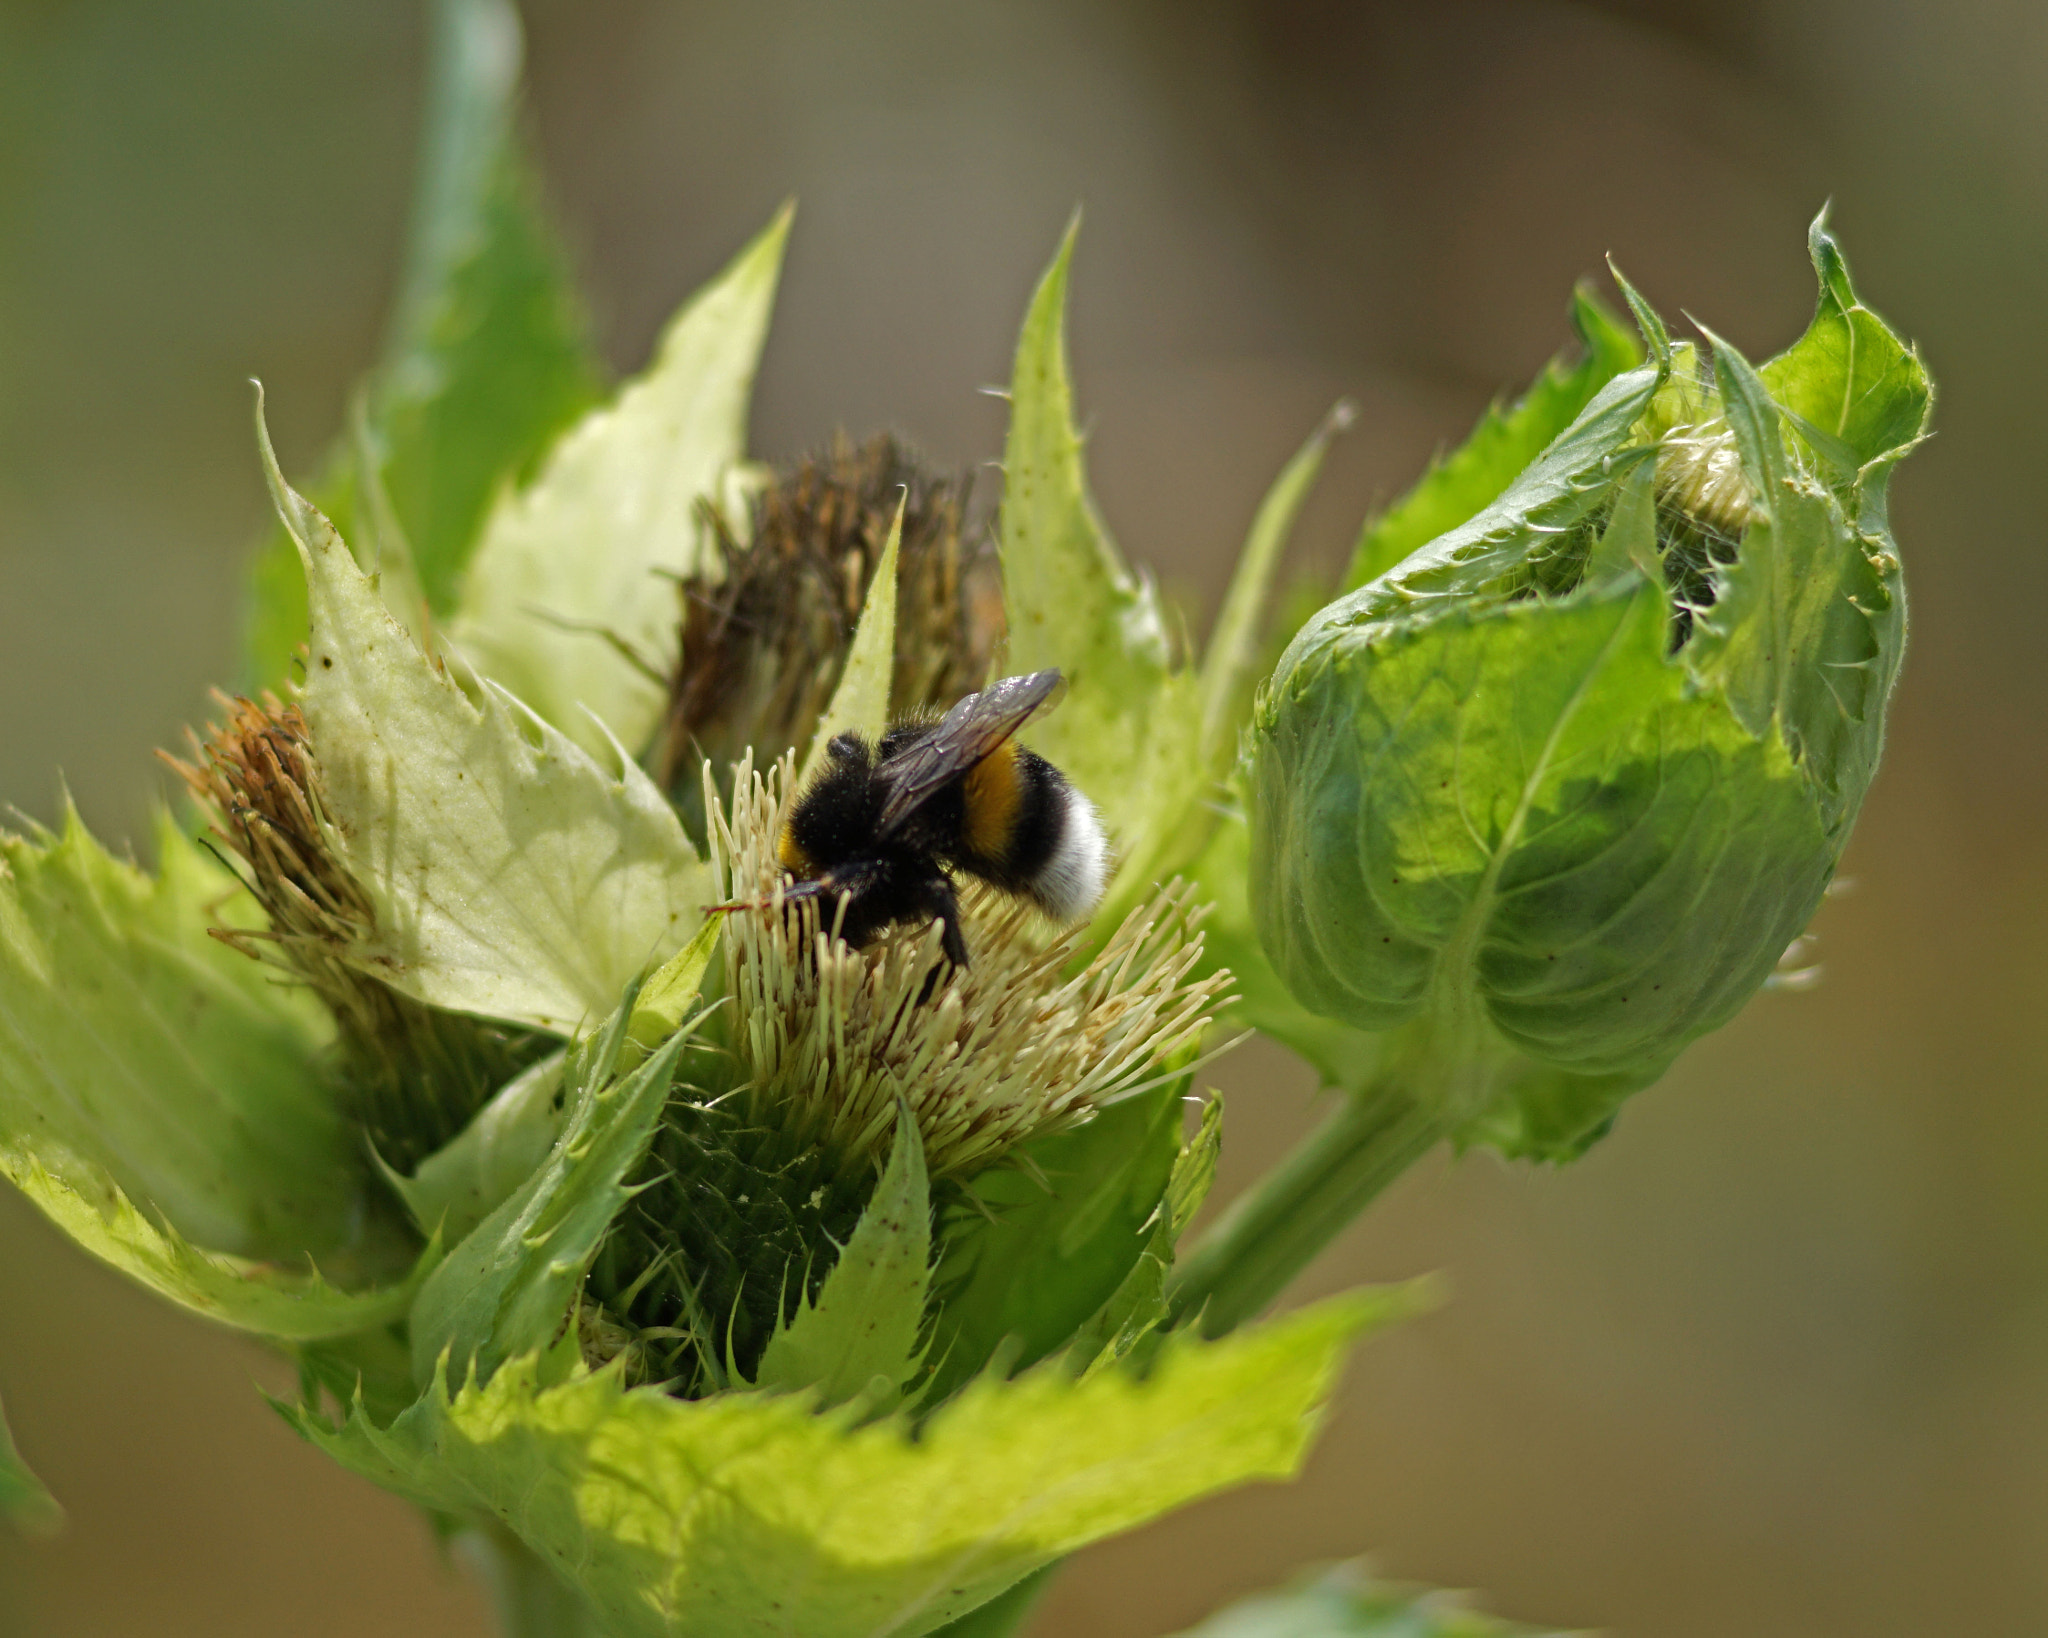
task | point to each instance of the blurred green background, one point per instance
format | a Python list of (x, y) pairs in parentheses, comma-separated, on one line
[(1774, 1359)]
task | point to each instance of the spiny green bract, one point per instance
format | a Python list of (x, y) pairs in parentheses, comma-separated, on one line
[(1552, 795)]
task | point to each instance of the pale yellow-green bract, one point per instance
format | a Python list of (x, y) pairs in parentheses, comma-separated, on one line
[(1146, 730), (162, 1097), (297, 1305), (860, 1337), (860, 704), (511, 875), (1128, 731), (582, 562), (746, 1515)]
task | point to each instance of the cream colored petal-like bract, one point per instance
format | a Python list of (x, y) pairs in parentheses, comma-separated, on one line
[(569, 578), (511, 875)]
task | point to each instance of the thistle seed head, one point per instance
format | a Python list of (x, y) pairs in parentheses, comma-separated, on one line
[(766, 629)]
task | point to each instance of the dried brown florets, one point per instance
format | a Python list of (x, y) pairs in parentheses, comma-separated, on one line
[(255, 774), (415, 1073), (765, 632)]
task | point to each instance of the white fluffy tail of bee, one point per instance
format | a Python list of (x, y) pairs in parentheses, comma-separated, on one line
[(1074, 879)]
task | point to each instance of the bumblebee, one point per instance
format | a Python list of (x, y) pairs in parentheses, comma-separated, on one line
[(883, 827)]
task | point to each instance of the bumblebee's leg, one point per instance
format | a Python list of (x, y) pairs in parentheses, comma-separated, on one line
[(942, 904)]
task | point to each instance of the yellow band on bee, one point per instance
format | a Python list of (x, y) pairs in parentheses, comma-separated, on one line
[(993, 792), (794, 859)]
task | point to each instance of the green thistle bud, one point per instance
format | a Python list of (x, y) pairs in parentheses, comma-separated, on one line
[(1551, 796)]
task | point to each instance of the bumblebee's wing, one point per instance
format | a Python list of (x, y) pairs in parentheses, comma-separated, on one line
[(966, 734)]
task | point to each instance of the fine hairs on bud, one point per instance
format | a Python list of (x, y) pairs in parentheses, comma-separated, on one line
[(1704, 508), (1699, 473)]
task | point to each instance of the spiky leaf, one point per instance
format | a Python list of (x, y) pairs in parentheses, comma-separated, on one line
[(1051, 1238), (1850, 375), (1467, 480), (176, 1068), (1138, 1307), (859, 1338), (1129, 731), (748, 1514), (467, 1179), (510, 874), (1235, 645), (273, 1299), (508, 1288), (565, 603), (860, 704), (1805, 637)]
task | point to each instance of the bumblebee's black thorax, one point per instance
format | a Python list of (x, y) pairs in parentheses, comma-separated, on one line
[(834, 832), (879, 831), (838, 818)]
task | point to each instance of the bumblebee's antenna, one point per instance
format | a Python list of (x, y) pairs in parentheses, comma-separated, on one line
[(793, 893)]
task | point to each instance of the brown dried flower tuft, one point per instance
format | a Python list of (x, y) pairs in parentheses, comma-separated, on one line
[(765, 635), (255, 774)]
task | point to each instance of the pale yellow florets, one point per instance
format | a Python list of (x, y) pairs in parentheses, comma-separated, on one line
[(828, 1038), (1699, 473)]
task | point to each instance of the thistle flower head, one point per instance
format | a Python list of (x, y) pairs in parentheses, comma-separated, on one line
[(829, 1040)]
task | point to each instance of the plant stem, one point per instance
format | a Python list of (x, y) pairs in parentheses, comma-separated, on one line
[(531, 1601), (1273, 1230)]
